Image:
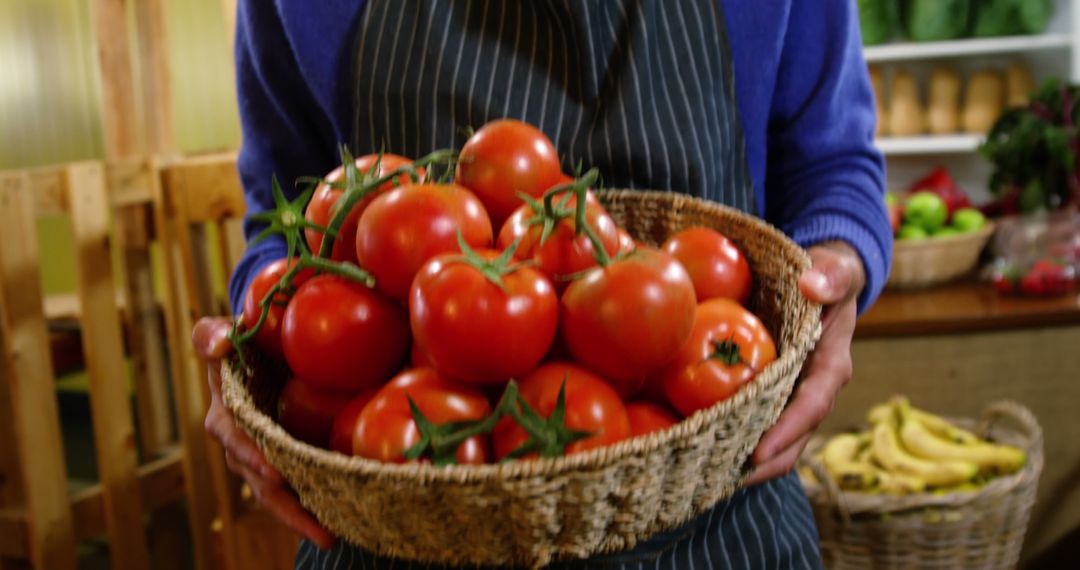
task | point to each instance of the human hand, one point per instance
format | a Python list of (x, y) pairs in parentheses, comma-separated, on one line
[(241, 454), (835, 279)]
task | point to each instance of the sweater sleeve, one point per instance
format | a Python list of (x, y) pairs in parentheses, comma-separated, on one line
[(285, 130), (825, 178)]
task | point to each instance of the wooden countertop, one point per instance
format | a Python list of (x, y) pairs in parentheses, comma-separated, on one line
[(962, 307)]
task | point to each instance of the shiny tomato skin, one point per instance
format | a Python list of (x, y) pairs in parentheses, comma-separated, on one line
[(405, 227), (504, 158), (627, 319), (564, 253), (647, 417), (308, 413), (475, 332), (626, 242), (319, 208), (697, 378), (341, 434), (385, 428), (268, 337), (341, 335), (715, 264), (592, 405)]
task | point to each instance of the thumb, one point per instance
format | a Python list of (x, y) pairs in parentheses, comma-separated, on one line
[(210, 338), (835, 275)]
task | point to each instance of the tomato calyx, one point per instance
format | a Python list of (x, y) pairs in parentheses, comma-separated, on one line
[(357, 186), (548, 438), (492, 269), (726, 351), (578, 188), (286, 219)]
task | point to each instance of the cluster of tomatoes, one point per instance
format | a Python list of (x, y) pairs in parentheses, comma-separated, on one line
[(414, 331)]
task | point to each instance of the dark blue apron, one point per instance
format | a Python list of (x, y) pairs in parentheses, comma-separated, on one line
[(642, 89)]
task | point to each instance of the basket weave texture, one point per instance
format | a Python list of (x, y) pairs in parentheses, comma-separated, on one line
[(982, 529), (530, 513), (936, 260)]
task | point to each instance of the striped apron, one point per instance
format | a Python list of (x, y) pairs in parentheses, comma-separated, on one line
[(641, 89)]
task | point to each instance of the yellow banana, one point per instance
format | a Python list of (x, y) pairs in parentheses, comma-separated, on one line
[(989, 458), (839, 459), (938, 425), (893, 457), (899, 484)]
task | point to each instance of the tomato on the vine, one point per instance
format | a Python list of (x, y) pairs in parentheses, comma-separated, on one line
[(404, 228), (341, 433), (386, 429), (481, 320), (715, 264), (308, 413), (504, 158), (320, 208), (592, 406), (728, 347), (341, 335), (647, 417), (564, 252), (629, 318), (268, 337)]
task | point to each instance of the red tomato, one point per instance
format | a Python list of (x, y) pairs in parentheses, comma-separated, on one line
[(308, 413), (506, 157), (626, 241), (629, 318), (386, 429), (341, 434), (565, 252), (418, 357), (592, 405), (319, 209), (268, 337), (402, 229), (341, 335), (728, 347), (473, 330), (715, 264), (647, 417)]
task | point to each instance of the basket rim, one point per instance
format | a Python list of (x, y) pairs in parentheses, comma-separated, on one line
[(238, 399), (931, 242), (856, 502)]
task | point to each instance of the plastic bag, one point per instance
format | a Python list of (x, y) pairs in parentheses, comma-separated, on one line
[(1036, 255)]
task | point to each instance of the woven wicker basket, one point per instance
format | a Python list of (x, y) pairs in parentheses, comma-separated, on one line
[(936, 260), (532, 512), (981, 529)]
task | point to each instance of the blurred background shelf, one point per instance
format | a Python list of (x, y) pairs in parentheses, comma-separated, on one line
[(904, 51), (929, 144)]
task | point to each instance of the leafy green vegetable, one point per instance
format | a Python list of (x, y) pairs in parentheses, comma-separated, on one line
[(1035, 149), (878, 19), (936, 20), (1011, 17)]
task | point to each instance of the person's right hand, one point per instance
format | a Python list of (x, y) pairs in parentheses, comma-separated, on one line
[(243, 457)]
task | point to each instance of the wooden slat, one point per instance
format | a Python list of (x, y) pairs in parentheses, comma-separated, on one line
[(144, 332), (210, 186), (156, 86), (28, 376), (129, 182), (114, 431), (119, 121), (190, 400), (48, 191)]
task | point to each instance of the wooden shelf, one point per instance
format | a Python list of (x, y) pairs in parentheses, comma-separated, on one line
[(929, 144), (962, 307), (968, 47)]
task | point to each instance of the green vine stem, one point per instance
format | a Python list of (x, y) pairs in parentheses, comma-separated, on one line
[(578, 188)]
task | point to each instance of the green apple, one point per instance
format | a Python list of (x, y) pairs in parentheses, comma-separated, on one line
[(891, 199), (947, 231), (911, 232), (926, 210), (968, 220)]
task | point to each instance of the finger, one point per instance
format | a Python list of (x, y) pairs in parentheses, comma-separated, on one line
[(210, 338), (283, 504), (780, 464), (833, 276), (238, 446)]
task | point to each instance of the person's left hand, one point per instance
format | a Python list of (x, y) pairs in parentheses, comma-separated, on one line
[(835, 279)]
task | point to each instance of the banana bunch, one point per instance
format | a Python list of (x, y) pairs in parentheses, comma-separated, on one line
[(910, 451)]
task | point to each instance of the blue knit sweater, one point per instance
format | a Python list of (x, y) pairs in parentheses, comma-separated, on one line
[(801, 86)]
